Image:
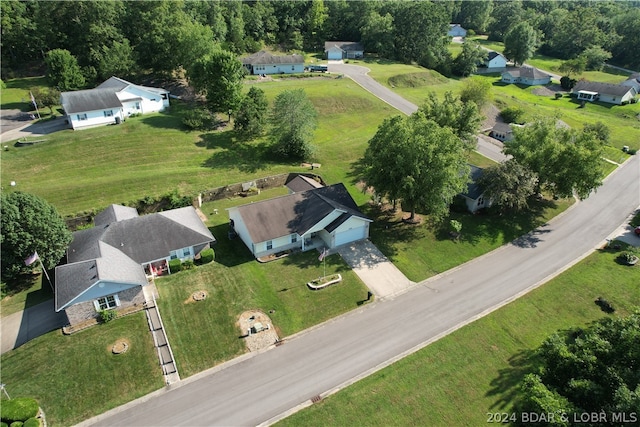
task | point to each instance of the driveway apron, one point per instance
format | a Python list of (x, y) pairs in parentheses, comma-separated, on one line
[(18, 328), (374, 269)]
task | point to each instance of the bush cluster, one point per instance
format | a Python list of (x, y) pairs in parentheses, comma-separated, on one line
[(207, 256), (108, 315), (198, 119), (18, 409), (188, 264), (175, 265)]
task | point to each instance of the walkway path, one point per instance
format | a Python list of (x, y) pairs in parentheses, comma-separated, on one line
[(160, 340), (376, 271)]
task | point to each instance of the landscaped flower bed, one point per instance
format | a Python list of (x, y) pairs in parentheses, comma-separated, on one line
[(323, 282)]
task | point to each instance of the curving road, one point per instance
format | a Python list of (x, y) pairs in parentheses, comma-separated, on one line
[(360, 75), (260, 388)]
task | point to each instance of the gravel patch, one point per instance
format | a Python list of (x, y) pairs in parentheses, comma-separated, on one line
[(257, 340)]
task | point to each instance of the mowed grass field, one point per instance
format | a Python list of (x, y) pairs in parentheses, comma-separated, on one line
[(460, 379), (74, 377), (153, 155)]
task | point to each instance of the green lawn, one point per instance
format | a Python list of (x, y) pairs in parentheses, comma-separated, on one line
[(152, 155), (77, 376), (203, 334), (16, 94), (474, 371), (422, 251)]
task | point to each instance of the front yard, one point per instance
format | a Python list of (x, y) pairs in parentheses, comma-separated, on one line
[(463, 377)]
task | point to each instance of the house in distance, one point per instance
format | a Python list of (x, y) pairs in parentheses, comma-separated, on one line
[(264, 62)]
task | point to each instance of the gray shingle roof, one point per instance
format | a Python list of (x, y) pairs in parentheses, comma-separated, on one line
[(296, 213), (112, 267), (114, 213), (302, 183), (266, 58), (492, 55), (473, 189), (118, 248), (527, 72), (102, 97), (145, 238), (81, 101), (346, 46), (606, 88)]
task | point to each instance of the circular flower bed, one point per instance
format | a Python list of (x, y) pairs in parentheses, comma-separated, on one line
[(120, 347), (199, 295)]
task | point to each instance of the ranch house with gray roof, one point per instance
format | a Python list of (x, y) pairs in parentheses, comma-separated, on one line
[(109, 264)]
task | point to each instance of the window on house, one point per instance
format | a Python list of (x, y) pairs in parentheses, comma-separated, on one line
[(164, 96), (480, 201), (137, 105), (186, 252), (82, 117), (293, 68), (294, 238), (108, 113), (173, 254), (108, 302), (269, 244)]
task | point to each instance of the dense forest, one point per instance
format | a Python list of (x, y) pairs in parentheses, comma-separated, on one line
[(126, 38)]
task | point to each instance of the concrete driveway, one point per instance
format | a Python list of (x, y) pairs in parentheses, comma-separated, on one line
[(18, 328), (374, 269)]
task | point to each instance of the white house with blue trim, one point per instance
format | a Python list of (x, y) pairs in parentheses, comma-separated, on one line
[(111, 103)]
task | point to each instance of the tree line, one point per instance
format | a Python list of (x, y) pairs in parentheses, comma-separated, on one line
[(124, 38)]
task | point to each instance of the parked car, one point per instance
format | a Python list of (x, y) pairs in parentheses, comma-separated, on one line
[(637, 231)]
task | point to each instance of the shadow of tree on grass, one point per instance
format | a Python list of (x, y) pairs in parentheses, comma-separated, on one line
[(231, 154), (506, 386)]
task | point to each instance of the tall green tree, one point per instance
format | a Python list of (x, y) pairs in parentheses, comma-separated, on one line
[(315, 23), (219, 78), (377, 34), (251, 119), (293, 121), (415, 160), (63, 70), (595, 57), (520, 43), (421, 33), (470, 56), (476, 90), (508, 185), (475, 15), (30, 224), (505, 15), (586, 370), (566, 161), (462, 118)]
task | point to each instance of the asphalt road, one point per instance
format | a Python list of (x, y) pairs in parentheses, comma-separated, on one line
[(265, 385)]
